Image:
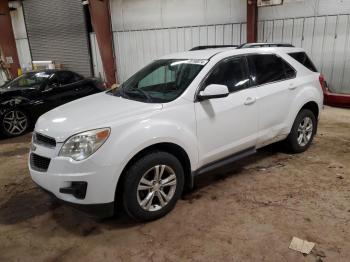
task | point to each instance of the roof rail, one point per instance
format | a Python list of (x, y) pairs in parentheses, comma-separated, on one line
[(255, 45), (202, 47)]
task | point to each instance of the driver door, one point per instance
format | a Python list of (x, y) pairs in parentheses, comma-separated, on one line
[(51, 94), (227, 125)]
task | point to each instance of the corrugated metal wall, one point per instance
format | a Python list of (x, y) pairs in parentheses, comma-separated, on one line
[(57, 31), (157, 14), (325, 39), (147, 29), (135, 49)]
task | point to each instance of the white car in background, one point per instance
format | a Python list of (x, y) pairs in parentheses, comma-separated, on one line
[(181, 116)]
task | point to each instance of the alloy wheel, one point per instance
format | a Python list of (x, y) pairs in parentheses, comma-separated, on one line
[(305, 130), (15, 122), (156, 188)]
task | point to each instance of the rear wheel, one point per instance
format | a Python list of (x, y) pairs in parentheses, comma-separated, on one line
[(14, 122), (303, 131), (152, 186)]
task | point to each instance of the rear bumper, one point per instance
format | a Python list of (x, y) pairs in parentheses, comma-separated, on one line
[(334, 99), (96, 210)]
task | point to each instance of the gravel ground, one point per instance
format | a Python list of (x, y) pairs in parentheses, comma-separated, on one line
[(248, 214)]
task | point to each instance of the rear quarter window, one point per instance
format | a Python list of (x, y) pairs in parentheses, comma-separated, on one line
[(303, 59)]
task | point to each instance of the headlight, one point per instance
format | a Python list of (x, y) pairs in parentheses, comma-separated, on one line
[(82, 145)]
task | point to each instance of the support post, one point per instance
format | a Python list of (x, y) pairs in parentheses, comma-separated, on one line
[(7, 39), (101, 23), (252, 21)]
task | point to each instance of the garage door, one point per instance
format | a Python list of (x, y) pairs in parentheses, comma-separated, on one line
[(56, 31)]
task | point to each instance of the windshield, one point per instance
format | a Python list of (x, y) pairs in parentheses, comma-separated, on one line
[(28, 80), (161, 81)]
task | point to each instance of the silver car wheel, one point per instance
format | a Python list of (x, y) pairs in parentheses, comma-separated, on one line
[(305, 131), (15, 122), (156, 188)]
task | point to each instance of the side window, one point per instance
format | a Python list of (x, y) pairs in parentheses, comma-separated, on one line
[(268, 68), (66, 77), (303, 59), (77, 77), (53, 81), (230, 72)]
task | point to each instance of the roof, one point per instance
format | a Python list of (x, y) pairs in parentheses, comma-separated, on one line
[(48, 71), (265, 44), (198, 54), (208, 53)]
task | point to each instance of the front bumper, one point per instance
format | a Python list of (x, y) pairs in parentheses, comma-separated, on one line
[(62, 173), (95, 210)]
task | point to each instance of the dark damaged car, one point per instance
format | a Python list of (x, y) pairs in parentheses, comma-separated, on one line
[(32, 94)]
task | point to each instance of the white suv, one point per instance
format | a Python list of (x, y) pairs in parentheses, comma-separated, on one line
[(183, 115)]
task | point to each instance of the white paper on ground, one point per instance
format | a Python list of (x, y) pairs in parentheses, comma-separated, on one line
[(302, 246)]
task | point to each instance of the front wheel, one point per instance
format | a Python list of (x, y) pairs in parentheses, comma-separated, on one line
[(303, 131), (152, 186), (14, 122)]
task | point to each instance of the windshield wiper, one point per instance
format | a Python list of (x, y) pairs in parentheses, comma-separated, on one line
[(147, 96)]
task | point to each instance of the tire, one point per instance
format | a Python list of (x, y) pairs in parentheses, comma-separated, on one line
[(303, 131), (142, 200), (14, 122)]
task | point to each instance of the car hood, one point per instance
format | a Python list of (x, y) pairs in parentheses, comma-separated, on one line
[(95, 111)]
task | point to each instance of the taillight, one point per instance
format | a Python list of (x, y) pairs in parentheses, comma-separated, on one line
[(323, 83)]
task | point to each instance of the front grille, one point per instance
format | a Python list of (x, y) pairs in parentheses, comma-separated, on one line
[(44, 140), (39, 163)]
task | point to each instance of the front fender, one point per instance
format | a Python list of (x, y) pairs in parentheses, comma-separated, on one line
[(175, 124), (151, 132)]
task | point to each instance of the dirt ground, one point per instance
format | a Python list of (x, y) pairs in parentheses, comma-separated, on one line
[(248, 214)]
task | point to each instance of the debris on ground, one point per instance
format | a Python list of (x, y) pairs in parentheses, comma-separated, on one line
[(318, 253), (301, 245)]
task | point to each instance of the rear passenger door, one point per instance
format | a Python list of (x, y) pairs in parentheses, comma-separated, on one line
[(274, 79)]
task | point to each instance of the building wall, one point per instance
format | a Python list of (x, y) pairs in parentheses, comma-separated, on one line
[(20, 33), (146, 29), (2, 77), (321, 27), (96, 58), (151, 14), (304, 8)]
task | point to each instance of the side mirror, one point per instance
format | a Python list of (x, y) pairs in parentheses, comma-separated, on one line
[(50, 87), (213, 91)]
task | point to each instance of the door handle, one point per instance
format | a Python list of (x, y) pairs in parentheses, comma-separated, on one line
[(249, 101), (292, 86)]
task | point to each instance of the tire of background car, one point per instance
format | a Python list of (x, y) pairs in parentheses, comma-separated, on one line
[(303, 131), (152, 186), (14, 122)]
